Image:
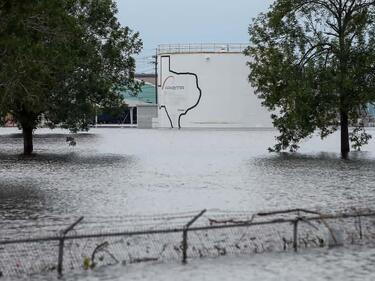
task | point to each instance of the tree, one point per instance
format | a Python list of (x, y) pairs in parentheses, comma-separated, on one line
[(313, 63), (60, 60)]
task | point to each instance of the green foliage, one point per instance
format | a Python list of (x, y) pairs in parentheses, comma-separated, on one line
[(61, 59), (359, 137), (87, 264), (311, 62)]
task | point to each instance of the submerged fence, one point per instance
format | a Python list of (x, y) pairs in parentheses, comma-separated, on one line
[(88, 244)]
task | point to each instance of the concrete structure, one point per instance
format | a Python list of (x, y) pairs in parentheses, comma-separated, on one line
[(207, 86), (146, 114)]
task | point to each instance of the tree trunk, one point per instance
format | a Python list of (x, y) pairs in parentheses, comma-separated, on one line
[(345, 145), (27, 133)]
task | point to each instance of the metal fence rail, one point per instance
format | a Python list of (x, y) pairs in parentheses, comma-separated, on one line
[(84, 244)]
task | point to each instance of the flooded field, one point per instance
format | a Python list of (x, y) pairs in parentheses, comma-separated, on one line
[(117, 172)]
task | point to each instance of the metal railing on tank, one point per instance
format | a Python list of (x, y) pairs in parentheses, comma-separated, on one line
[(202, 48)]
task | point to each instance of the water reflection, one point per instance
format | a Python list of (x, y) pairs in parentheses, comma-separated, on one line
[(21, 200), (68, 158), (319, 180), (58, 181)]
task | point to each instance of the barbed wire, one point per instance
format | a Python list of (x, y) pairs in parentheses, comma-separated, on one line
[(144, 238)]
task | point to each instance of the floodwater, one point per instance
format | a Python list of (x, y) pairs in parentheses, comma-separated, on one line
[(341, 264), (117, 172)]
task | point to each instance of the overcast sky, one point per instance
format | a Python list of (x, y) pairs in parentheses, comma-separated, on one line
[(188, 21)]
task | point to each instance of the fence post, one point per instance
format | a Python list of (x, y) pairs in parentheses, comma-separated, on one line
[(185, 235), (61, 256), (295, 234), (184, 245), (63, 233)]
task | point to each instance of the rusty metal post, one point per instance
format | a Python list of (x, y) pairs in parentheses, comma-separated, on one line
[(295, 234), (185, 236), (60, 257), (360, 227), (184, 245), (63, 233)]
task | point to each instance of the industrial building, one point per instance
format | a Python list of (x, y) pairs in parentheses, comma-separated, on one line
[(206, 86), (198, 86), (141, 108)]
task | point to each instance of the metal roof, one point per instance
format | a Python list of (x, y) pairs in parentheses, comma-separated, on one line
[(146, 96)]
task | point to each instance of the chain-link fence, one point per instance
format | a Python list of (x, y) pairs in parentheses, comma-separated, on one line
[(87, 244)]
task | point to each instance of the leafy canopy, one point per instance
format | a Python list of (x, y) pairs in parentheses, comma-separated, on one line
[(313, 61), (61, 59)]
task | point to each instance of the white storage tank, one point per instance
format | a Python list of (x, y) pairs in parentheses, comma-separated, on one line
[(206, 85)]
